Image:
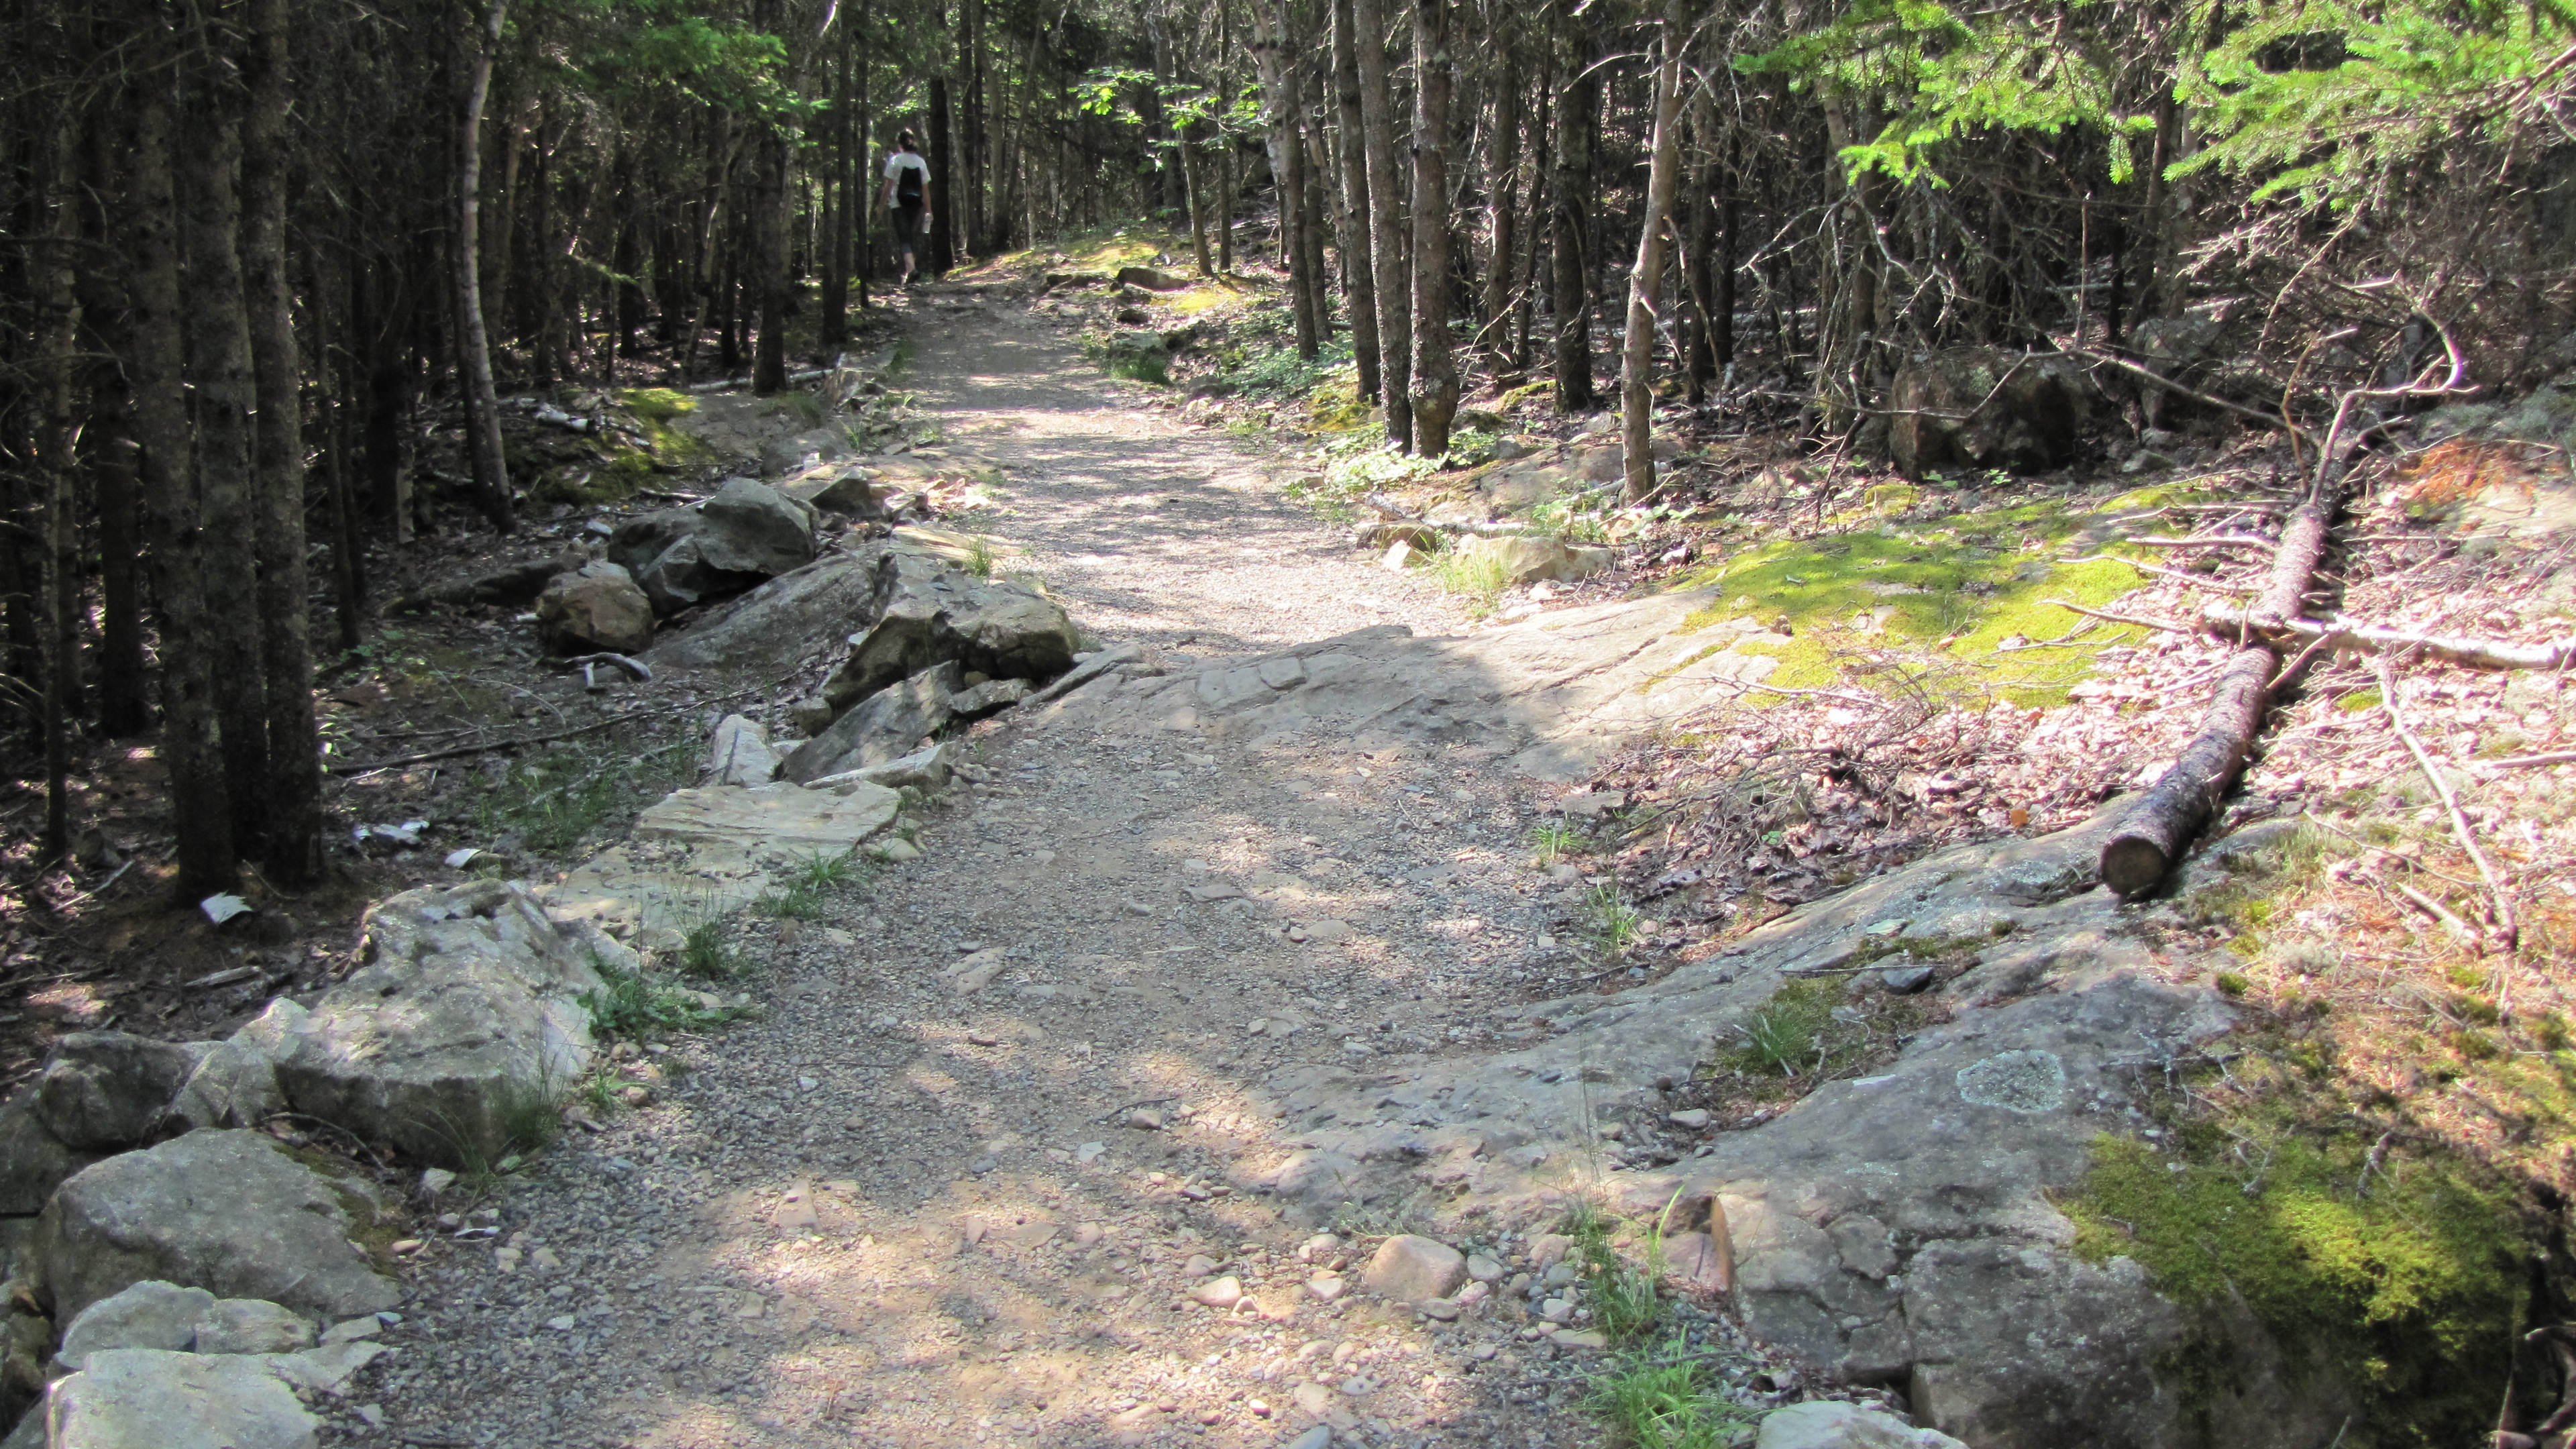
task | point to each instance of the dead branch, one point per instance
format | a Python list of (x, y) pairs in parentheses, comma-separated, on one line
[(2525, 762), (2347, 636), (455, 752), (587, 663), (2152, 833), (2139, 620), (2224, 540), (2436, 910), (2502, 912), (2274, 420)]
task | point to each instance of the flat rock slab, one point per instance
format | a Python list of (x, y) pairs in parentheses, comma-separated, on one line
[(135, 1398), (740, 841), (227, 1211), (785, 819), (1554, 694)]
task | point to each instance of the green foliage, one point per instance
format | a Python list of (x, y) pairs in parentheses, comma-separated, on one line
[(705, 952), (979, 556), (1787, 1035), (1555, 841), (631, 1006), (1673, 1402), (802, 897), (554, 800), (2400, 1272), (1626, 1300), (1477, 576)]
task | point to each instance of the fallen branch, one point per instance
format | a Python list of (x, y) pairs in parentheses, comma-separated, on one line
[(2525, 762), (2139, 620), (2346, 636), (636, 668), (2153, 831), (2502, 911), (2196, 395), (455, 752), (2436, 910), (2225, 540)]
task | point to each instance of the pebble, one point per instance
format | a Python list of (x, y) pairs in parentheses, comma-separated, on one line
[(1325, 1287), (1692, 1117), (1219, 1292), (1482, 1268)]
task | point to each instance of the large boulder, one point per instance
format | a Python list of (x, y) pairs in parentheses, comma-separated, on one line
[(33, 1161), (227, 1211), (1984, 407), (235, 1081), (1527, 559), (780, 624), (165, 1316), (140, 1398), (103, 1090), (929, 612), (464, 1021), (599, 607), (882, 728), (723, 545), (860, 493)]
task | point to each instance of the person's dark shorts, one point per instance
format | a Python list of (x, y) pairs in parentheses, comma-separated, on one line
[(907, 228)]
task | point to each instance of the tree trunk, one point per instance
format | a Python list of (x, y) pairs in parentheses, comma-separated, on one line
[(474, 349), (1435, 365), (55, 333), (199, 811), (1571, 199), (1387, 218), (967, 195), (219, 375), (840, 197), (769, 218), (1663, 172), (1355, 227), (107, 444), (943, 210), (1502, 198), (1273, 54), (293, 789), (1314, 158)]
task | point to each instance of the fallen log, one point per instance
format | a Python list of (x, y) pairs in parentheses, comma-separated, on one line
[(2153, 832), (2347, 636)]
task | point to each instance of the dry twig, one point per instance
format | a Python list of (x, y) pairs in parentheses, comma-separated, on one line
[(2502, 910)]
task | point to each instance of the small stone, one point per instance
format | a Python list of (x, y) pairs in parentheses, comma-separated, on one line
[(1409, 1268), (1692, 1117), (1314, 1401), (1199, 1266), (635, 1094), (1219, 1292), (1145, 1119), (1581, 1338), (436, 1180), (1557, 1310), (1905, 980), (506, 1259), (1483, 1269), (563, 1324), (373, 1414), (1442, 1309), (1325, 1287)]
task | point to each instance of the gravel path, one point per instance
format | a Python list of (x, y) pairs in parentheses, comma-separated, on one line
[(1008, 1106)]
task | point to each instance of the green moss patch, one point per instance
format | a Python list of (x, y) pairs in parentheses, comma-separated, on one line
[(2397, 1276), (1976, 587), (656, 404)]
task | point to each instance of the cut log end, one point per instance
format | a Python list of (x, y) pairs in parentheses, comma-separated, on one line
[(2133, 863)]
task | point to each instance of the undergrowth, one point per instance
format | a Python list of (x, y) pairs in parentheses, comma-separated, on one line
[(552, 801), (632, 1006), (802, 897), (1477, 576)]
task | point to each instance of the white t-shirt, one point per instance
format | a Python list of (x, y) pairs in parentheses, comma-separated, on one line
[(901, 161)]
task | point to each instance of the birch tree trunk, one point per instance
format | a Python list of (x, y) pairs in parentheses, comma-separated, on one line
[(474, 347)]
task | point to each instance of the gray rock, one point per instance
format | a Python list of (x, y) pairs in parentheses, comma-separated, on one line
[(924, 769), (1409, 1268), (227, 1211), (1151, 280), (1525, 560), (1984, 407), (1905, 980), (739, 754), (804, 450), (134, 1398), (1828, 1424), (751, 528), (235, 1083), (780, 623), (880, 729), (464, 1014), (856, 492), (599, 608), (149, 1314), (252, 1325), (929, 612), (33, 1162), (989, 698), (102, 1090)]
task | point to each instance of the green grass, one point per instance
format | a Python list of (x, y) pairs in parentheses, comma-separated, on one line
[(1626, 1299), (979, 556), (1607, 924), (1796, 1033), (707, 954), (632, 1006), (552, 801), (802, 897), (1476, 576), (1673, 1402), (1555, 841)]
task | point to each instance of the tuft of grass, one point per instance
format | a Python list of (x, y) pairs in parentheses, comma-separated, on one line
[(706, 953), (806, 406), (1607, 924), (802, 897), (1475, 575), (979, 556), (1626, 1299), (1554, 841), (631, 1006), (1672, 1402)]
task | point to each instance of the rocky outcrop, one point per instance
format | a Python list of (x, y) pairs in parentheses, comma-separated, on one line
[(33, 1162), (1528, 559), (780, 623), (929, 612), (1983, 407), (599, 607), (235, 1083), (464, 1012), (723, 545), (881, 728), (173, 1319), (226, 1211), (1829, 1424), (137, 1398)]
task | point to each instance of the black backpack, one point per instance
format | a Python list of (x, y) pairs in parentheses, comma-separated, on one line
[(907, 187)]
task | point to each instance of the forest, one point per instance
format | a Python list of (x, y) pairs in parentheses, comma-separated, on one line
[(273, 267)]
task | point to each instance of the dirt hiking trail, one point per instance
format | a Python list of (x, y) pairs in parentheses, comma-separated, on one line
[(959, 1181)]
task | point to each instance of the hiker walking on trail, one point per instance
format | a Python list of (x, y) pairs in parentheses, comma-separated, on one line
[(907, 198)]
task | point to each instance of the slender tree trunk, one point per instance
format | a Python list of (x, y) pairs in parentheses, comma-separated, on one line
[(839, 201), (1501, 202), (769, 217), (943, 209), (108, 449), (968, 192), (1570, 287), (1355, 232), (227, 401), (1435, 364), (1313, 159), (199, 810), (1663, 174), (55, 361), (1387, 216), (1274, 54), (294, 785), (482, 402), (1525, 306)]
